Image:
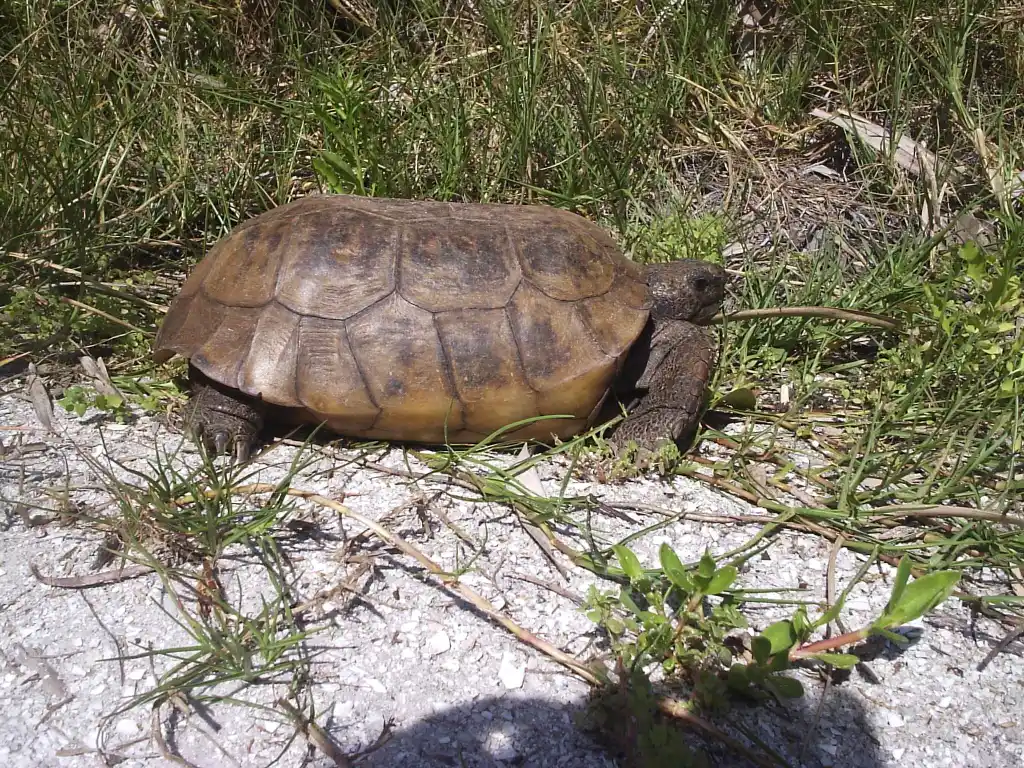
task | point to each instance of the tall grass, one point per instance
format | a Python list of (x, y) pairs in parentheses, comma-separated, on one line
[(129, 135)]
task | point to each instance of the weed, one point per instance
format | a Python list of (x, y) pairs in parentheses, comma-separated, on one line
[(174, 518), (130, 391), (662, 619)]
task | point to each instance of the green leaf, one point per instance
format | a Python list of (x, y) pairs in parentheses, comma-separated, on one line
[(761, 649), (706, 566), (828, 615), (738, 679), (839, 660), (326, 173), (614, 626), (627, 602), (899, 583), (149, 402), (722, 580), (651, 620), (893, 637), (674, 569), (109, 402), (779, 662), (786, 687), (742, 399), (756, 673), (345, 171), (919, 598), (800, 622), (780, 635), (628, 562)]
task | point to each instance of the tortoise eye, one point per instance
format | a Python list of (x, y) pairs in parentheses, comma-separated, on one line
[(701, 284)]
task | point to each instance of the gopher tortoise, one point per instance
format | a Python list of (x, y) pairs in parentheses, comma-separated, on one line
[(433, 322)]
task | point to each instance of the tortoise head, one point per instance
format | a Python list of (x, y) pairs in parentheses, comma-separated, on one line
[(688, 289)]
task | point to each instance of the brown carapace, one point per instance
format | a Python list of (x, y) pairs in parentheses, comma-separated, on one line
[(434, 322)]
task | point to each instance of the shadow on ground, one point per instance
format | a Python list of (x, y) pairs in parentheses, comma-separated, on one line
[(524, 731)]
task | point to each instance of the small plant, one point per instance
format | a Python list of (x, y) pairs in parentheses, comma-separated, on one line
[(678, 236), (176, 517), (660, 617), (126, 392), (632, 461), (79, 399), (663, 620), (981, 311), (346, 165)]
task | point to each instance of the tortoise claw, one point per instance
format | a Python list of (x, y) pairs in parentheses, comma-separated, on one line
[(220, 440), (241, 450)]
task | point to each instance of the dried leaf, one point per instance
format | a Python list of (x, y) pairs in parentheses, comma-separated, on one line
[(97, 371), (35, 663), (735, 248), (820, 169), (969, 228), (40, 398), (530, 479), (909, 154)]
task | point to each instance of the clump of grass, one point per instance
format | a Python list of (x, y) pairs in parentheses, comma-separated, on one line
[(184, 524), (129, 137)]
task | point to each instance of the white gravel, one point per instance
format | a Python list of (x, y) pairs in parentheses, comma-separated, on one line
[(455, 688)]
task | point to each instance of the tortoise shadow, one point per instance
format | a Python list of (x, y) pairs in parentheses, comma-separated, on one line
[(520, 730), (523, 730)]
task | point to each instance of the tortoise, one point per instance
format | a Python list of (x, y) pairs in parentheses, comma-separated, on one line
[(433, 322)]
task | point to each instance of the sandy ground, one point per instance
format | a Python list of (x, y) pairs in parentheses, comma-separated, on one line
[(454, 687)]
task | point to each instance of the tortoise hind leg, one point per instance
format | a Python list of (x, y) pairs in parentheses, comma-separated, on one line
[(675, 390), (221, 418)]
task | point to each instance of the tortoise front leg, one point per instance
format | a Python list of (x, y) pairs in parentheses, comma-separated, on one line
[(675, 389), (220, 417)]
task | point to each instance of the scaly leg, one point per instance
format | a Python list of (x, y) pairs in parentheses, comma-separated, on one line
[(221, 417), (675, 389)]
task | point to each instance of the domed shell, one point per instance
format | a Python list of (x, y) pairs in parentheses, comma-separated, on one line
[(413, 320)]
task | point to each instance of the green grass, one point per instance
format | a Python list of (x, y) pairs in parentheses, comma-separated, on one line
[(126, 140), (132, 140)]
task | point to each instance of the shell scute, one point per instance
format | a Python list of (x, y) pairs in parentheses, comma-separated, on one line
[(446, 267), (243, 267), (269, 370), (564, 363), (338, 265), (402, 362), (329, 383), (565, 256), (480, 351)]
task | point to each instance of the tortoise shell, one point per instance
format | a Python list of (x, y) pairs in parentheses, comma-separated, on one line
[(414, 320)]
